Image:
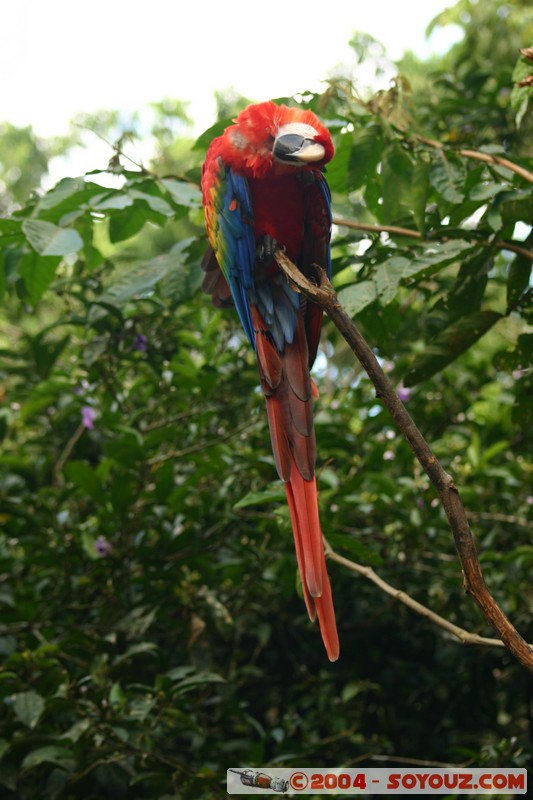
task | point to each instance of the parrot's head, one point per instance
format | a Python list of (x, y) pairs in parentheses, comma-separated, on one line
[(267, 138)]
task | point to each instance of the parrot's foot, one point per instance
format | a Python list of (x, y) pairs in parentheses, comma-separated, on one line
[(267, 247)]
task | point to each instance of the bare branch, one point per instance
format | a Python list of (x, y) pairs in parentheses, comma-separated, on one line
[(324, 295), (513, 247), (395, 230), (67, 450), (464, 636), (508, 519), (488, 158), (199, 446)]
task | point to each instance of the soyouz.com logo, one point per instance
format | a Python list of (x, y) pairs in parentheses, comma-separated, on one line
[(306, 780)]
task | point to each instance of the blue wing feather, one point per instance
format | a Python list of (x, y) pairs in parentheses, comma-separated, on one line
[(234, 241), (326, 194)]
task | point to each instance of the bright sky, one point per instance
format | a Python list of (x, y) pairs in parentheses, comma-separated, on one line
[(60, 57)]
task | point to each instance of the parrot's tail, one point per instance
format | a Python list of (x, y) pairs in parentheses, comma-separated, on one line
[(289, 393), (303, 507)]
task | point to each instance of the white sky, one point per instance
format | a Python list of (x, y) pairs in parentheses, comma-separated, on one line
[(62, 57)]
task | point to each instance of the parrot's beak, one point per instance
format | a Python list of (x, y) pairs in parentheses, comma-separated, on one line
[(294, 148), (295, 144)]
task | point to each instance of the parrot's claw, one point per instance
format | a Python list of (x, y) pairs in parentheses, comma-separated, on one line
[(267, 247)]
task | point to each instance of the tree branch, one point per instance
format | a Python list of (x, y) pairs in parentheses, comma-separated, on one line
[(199, 446), (464, 636), (502, 162), (509, 519), (65, 455), (324, 295), (477, 155), (395, 230), (513, 247)]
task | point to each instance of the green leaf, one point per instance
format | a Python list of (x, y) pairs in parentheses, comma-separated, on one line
[(61, 192), (139, 281), (486, 190), (178, 673), (28, 707), (355, 688), (154, 202), (6, 598), (356, 297), (419, 193), (449, 344), (117, 201), (52, 754), (77, 729), (182, 192), (523, 408), (397, 179), (205, 139), (521, 95), (271, 495), (448, 176), (48, 239), (127, 447), (10, 232), (136, 649), (38, 273), (338, 179), (34, 405), (3, 275), (517, 207), (82, 475), (88, 543), (185, 278), (125, 224), (405, 185), (469, 288), (391, 272), (116, 695), (518, 279), (388, 276), (199, 678), (365, 154)]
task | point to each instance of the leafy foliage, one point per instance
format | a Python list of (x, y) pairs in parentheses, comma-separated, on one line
[(152, 634)]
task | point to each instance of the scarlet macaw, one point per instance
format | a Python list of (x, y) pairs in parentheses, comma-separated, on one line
[(263, 187)]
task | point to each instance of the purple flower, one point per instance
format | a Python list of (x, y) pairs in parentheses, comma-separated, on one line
[(88, 416), (140, 343), (388, 455), (103, 547), (420, 502), (404, 393)]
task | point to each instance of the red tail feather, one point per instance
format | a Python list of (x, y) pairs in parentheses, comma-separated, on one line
[(303, 507), (289, 394)]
